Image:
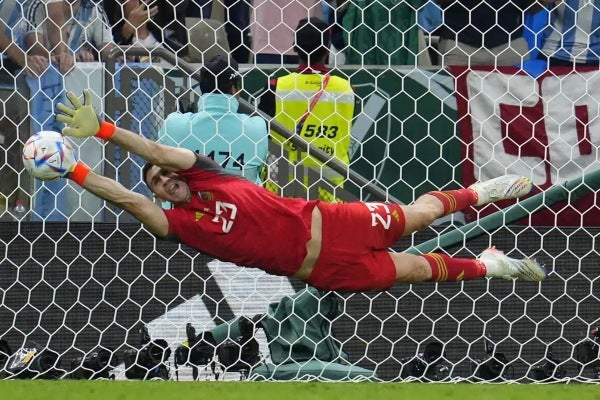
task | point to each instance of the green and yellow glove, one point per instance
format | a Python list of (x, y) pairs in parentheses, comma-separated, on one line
[(81, 119)]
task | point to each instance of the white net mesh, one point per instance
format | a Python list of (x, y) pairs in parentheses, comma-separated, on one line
[(86, 292)]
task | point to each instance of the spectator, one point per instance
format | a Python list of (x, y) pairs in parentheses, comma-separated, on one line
[(53, 26), (130, 22), (488, 32), (86, 30), (14, 58), (574, 35), (85, 34), (149, 23), (314, 104), (52, 15), (12, 130), (383, 32), (237, 24), (335, 16), (236, 141), (429, 18), (273, 28)]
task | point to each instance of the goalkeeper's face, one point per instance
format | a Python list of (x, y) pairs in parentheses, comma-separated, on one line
[(167, 185)]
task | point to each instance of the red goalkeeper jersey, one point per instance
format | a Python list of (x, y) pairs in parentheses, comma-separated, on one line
[(235, 220)]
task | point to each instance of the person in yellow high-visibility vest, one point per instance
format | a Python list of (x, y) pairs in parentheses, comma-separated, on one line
[(314, 104)]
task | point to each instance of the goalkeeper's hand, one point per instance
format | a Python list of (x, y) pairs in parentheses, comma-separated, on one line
[(81, 119)]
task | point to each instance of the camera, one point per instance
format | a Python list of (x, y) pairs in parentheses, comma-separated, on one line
[(586, 352), (491, 367), (548, 370), (238, 354), (242, 353), (149, 361), (96, 365), (32, 361), (197, 350), (428, 365)]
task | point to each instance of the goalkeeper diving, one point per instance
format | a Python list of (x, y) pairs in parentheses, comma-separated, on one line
[(331, 246)]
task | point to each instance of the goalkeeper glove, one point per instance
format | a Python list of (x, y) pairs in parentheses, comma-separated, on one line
[(81, 119)]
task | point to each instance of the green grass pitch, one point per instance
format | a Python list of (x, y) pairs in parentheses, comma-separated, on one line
[(147, 390)]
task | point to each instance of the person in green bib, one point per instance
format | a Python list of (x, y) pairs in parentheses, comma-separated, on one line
[(314, 104)]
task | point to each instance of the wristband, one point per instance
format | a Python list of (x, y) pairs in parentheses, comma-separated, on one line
[(79, 173), (106, 130)]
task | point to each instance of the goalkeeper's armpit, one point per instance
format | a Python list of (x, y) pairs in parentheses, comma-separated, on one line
[(81, 119)]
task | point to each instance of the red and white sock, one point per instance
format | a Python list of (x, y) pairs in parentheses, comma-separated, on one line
[(449, 269), (455, 200)]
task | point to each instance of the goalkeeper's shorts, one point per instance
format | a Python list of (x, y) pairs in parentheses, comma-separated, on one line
[(355, 241)]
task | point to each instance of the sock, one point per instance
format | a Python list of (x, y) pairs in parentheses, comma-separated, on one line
[(448, 269), (455, 200)]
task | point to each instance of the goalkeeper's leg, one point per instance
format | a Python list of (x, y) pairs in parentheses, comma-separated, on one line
[(492, 263), (430, 206)]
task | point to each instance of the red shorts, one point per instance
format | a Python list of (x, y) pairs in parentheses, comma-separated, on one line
[(354, 254)]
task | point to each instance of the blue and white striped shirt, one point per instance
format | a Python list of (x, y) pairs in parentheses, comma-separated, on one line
[(88, 26), (12, 22), (574, 31)]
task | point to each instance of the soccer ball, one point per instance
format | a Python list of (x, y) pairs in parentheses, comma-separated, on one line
[(48, 155)]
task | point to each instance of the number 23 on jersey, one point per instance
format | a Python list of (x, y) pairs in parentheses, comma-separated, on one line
[(225, 214)]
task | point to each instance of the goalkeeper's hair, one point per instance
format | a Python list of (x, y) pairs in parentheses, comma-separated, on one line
[(145, 170)]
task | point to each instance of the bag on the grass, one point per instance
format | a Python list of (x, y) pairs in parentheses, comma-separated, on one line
[(298, 328), (301, 341)]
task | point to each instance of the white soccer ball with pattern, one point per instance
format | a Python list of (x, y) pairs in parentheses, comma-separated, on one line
[(48, 155)]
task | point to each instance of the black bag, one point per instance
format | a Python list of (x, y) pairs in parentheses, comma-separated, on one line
[(301, 341)]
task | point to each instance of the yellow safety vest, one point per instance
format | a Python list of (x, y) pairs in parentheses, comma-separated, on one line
[(326, 127)]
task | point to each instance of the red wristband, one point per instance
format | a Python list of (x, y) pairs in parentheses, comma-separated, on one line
[(79, 173), (106, 130)]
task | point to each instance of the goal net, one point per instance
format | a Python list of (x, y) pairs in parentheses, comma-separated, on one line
[(87, 292)]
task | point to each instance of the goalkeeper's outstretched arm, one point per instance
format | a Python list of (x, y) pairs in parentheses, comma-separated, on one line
[(82, 121), (138, 205), (167, 157)]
